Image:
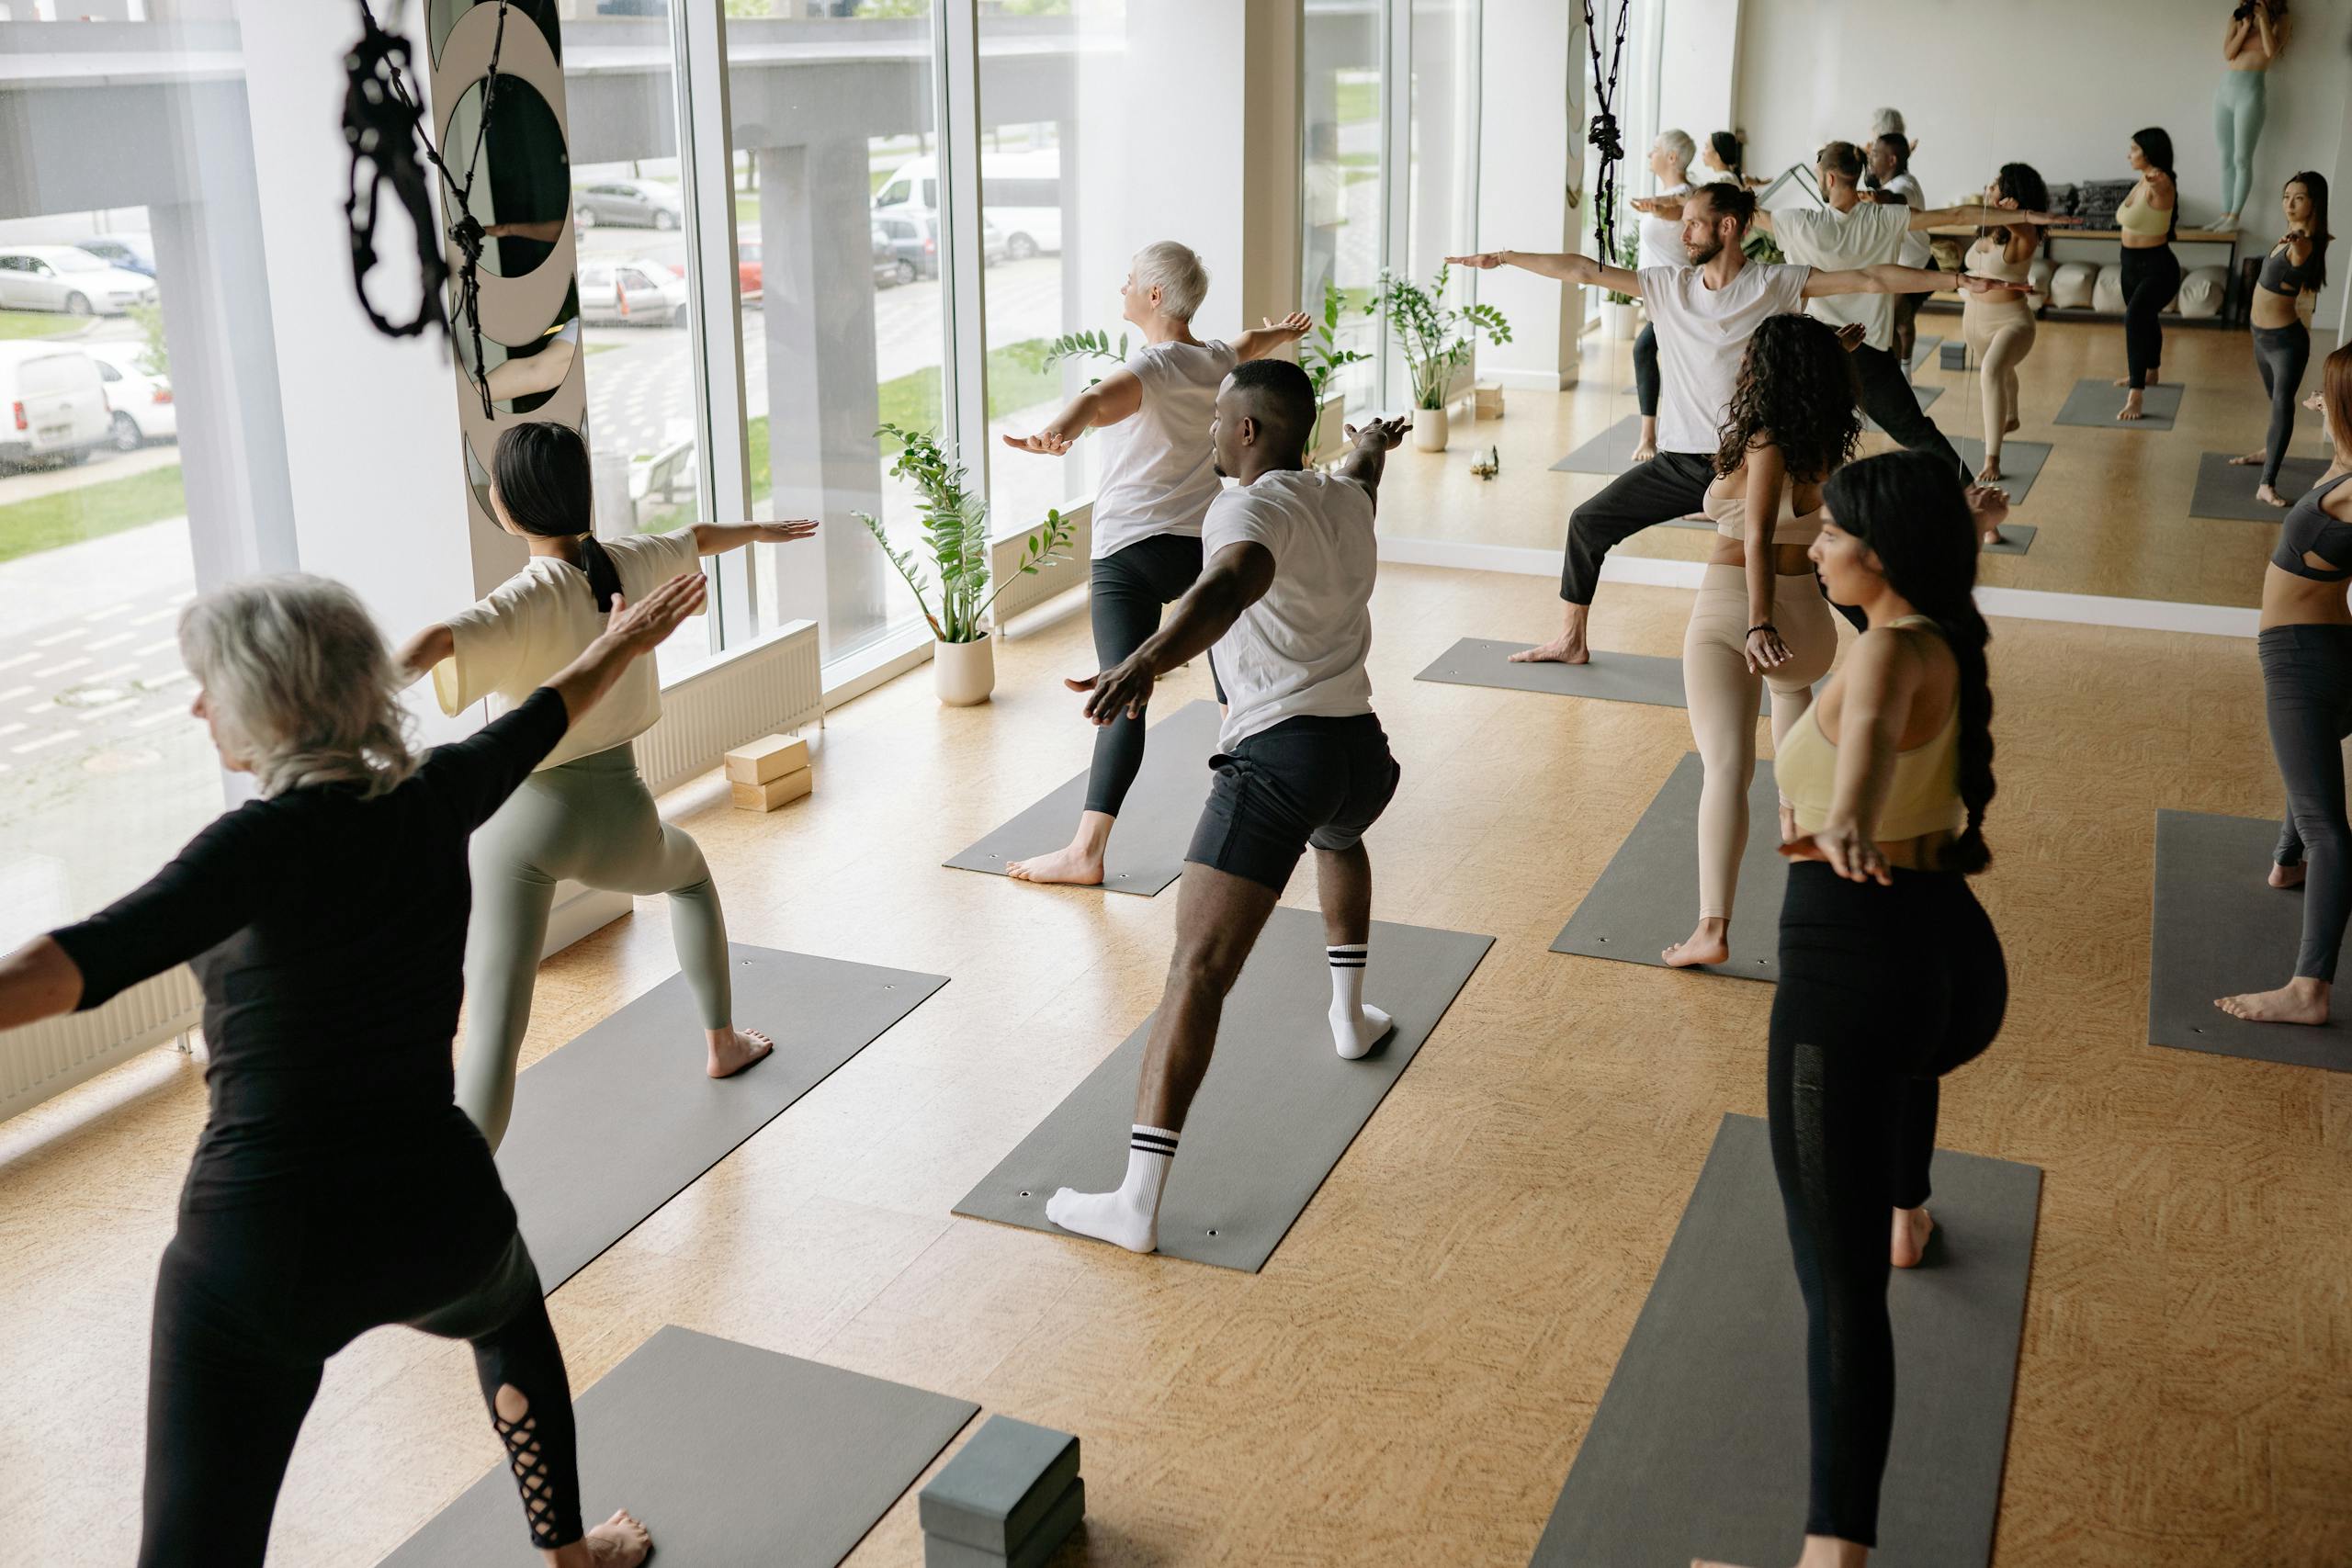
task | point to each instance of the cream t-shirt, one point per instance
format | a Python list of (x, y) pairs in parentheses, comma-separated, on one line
[(1702, 334), (1871, 234), (543, 617), (1158, 466), (1300, 649)]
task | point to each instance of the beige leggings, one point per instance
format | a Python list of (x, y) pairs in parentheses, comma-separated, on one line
[(1723, 695), (1999, 335)]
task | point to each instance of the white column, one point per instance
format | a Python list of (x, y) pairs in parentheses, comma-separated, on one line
[(1532, 106)]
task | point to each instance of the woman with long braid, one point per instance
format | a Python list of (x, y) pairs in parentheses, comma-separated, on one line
[(1890, 974), (336, 1188), (1723, 161), (2305, 645), (1760, 619), (2294, 271), (2149, 217)]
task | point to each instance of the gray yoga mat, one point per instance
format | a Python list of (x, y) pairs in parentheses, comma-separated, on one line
[(1926, 395), (1155, 826), (614, 1124), (2219, 930), (2022, 463), (1277, 1111), (2016, 539), (1923, 345), (2095, 400), (1647, 896), (729, 1454), (1700, 1446), (2228, 492), (1610, 677), (1610, 452)]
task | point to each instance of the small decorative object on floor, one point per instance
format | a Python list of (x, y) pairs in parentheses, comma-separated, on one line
[(1489, 396), (1008, 1500), (769, 772), (1486, 462)]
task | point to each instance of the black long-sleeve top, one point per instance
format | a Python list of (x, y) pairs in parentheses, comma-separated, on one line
[(328, 932)]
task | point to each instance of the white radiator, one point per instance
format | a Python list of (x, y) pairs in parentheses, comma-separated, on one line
[(774, 683), (1028, 593), (51, 1056)]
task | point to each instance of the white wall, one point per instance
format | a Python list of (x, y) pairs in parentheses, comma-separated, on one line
[(2080, 77), (1698, 67), (1531, 107)]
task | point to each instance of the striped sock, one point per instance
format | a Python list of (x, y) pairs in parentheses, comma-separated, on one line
[(1150, 1151), (1347, 978)]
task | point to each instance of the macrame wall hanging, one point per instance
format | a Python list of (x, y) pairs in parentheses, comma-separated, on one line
[(1604, 132)]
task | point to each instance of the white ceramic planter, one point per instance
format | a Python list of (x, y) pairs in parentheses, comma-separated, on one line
[(1430, 430), (964, 673), (1622, 326)]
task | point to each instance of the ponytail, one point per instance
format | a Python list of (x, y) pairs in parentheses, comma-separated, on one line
[(2156, 146), (1727, 148), (541, 471)]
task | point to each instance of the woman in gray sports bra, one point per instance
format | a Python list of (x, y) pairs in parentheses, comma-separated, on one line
[(2305, 646), (2296, 269)]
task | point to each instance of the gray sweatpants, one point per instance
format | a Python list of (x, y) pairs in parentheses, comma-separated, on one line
[(591, 821)]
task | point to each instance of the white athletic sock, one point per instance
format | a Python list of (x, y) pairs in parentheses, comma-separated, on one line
[(1128, 1217), (1356, 1028)]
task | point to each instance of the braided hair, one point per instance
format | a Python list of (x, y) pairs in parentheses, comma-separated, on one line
[(540, 469), (1727, 148), (1909, 509)]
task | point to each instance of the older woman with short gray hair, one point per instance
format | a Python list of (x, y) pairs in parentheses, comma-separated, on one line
[(337, 1187), (1661, 246)]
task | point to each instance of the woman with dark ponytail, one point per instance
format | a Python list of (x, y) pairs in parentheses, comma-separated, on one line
[(2149, 219), (1722, 162), (585, 814), (1891, 975)]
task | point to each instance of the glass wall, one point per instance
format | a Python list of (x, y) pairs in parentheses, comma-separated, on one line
[(1344, 204)]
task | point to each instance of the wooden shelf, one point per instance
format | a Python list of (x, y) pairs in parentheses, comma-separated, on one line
[(2186, 237)]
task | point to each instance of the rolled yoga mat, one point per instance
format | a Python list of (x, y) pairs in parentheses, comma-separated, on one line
[(1610, 452), (2095, 399), (1277, 1111), (1155, 824), (1610, 677), (2022, 463), (1647, 896), (1700, 1446), (614, 1124), (2220, 929), (728, 1454), (2225, 491)]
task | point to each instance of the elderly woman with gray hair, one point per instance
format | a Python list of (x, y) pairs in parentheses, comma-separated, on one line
[(1661, 246), (337, 1187)]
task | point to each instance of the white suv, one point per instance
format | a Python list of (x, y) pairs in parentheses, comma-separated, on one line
[(68, 279)]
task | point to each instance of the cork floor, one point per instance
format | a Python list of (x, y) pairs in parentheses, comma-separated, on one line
[(1408, 1380)]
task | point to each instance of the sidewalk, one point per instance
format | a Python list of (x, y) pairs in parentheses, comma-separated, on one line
[(80, 579)]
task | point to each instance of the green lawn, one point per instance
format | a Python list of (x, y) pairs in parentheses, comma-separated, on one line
[(38, 324), (91, 512), (1356, 98)]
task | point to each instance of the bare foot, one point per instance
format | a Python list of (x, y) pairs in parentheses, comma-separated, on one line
[(1645, 451), (2268, 496), (2252, 459), (732, 1050), (1912, 1227), (2299, 1000), (2011, 428), (1561, 649), (2288, 876), (1074, 865), (2131, 406), (1989, 537), (619, 1542), (1710, 943), (1991, 472)]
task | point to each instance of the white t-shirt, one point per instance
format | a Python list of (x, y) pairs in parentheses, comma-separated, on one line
[(539, 620), (1870, 233), (1701, 335), (1158, 467), (1662, 237), (1300, 649), (1916, 250)]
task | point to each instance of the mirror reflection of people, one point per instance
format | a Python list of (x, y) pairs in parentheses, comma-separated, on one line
[(1722, 162), (2149, 217), (2305, 646), (336, 1188), (2289, 284), (1998, 324), (1889, 180), (527, 375), (1660, 244), (583, 814), (2256, 35)]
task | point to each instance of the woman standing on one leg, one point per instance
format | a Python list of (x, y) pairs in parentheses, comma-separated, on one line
[(2306, 650), (1891, 975), (2149, 217), (335, 1189), (2294, 271), (1759, 618), (585, 814), (1999, 323), (1158, 477), (1661, 246), (2255, 35)]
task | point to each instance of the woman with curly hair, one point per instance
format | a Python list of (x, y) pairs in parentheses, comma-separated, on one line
[(1759, 617), (1999, 323), (1890, 974)]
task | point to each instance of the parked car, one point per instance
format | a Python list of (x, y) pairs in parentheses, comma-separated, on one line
[(631, 293), (132, 253), (889, 266), (914, 236), (629, 204), (747, 267), (53, 404), (141, 405), (65, 277)]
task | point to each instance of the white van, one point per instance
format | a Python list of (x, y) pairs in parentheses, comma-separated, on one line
[(53, 404), (1020, 193)]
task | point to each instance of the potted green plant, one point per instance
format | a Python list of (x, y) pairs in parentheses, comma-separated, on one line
[(1320, 355), (956, 531), (1439, 341)]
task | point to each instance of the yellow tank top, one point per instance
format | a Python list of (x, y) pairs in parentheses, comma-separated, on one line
[(1923, 798), (1730, 514), (2137, 216)]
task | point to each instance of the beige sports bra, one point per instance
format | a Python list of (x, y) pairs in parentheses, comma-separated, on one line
[(1989, 257), (1922, 796), (1730, 512)]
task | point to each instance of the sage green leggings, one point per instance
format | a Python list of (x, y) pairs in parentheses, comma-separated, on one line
[(591, 821)]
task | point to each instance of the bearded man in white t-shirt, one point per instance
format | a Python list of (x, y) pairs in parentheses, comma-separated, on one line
[(1282, 606)]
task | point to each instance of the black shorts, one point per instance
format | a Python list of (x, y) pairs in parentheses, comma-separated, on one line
[(1306, 781)]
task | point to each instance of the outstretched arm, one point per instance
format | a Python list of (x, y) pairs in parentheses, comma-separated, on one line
[(1568, 266), (1670, 209), (1235, 578), (1261, 341), (1115, 397), (1985, 214), (1368, 457), (426, 649), (38, 980), (717, 538), (1888, 279)]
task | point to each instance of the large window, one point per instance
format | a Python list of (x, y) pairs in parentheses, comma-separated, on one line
[(1344, 192)]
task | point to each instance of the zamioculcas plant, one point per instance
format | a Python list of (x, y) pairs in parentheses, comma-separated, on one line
[(956, 531), (1436, 338), (1320, 355)]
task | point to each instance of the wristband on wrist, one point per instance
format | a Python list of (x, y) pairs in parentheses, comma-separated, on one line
[(1763, 626)]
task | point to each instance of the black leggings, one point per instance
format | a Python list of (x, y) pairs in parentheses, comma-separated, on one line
[(1907, 326), (1128, 589), (1645, 375), (2282, 354), (2150, 277), (1882, 990), (2307, 689), (251, 1301), (1670, 485)]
